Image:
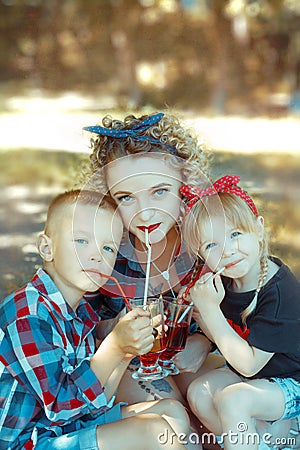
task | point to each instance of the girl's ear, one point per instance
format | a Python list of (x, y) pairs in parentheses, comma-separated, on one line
[(45, 247), (260, 227)]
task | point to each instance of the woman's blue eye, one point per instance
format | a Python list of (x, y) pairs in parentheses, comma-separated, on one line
[(81, 241), (107, 248), (210, 246), (235, 234), (160, 192)]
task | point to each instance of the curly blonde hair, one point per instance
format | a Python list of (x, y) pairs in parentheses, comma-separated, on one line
[(190, 156)]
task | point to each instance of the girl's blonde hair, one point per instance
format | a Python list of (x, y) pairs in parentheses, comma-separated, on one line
[(237, 212), (191, 157)]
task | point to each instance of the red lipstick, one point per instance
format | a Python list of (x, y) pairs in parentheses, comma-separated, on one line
[(150, 227)]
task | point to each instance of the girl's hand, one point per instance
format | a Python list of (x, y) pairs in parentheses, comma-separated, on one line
[(207, 291), (133, 333), (196, 315), (181, 297)]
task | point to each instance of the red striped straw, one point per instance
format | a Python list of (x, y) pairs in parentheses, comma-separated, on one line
[(191, 284), (110, 277)]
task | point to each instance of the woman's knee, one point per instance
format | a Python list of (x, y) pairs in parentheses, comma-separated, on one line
[(153, 425), (158, 431), (170, 405), (133, 432), (174, 409)]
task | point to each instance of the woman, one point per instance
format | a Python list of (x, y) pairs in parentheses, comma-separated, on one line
[(142, 163)]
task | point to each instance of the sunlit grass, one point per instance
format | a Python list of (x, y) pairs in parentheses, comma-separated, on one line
[(35, 167)]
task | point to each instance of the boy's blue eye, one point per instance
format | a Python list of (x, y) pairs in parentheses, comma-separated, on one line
[(109, 249), (81, 241), (124, 199)]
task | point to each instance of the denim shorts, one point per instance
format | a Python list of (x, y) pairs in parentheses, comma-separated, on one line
[(83, 439), (291, 392)]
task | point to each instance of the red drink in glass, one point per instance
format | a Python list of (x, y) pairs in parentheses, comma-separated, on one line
[(149, 368), (177, 332), (177, 335), (149, 360)]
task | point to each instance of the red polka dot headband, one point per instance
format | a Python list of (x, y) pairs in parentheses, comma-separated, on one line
[(227, 184)]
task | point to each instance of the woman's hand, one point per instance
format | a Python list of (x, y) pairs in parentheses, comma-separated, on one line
[(192, 357)]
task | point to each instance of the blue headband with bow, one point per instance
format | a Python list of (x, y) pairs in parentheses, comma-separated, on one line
[(132, 132)]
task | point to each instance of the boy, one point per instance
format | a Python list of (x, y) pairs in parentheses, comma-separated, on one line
[(56, 389)]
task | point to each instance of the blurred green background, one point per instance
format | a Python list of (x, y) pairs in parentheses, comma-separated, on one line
[(229, 68)]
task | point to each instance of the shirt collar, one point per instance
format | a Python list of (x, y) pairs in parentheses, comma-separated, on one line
[(44, 284)]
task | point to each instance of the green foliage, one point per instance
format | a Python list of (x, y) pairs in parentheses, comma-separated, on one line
[(79, 44)]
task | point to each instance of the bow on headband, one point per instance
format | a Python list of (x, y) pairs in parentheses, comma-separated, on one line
[(227, 184), (133, 132)]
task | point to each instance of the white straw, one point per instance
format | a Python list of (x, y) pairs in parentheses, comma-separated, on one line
[(148, 266), (213, 275), (220, 271), (185, 312)]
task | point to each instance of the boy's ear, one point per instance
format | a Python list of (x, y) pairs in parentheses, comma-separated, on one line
[(45, 247)]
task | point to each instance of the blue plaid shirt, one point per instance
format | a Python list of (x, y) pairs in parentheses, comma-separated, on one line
[(46, 383)]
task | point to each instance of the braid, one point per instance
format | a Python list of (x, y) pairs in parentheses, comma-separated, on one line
[(197, 266), (263, 275)]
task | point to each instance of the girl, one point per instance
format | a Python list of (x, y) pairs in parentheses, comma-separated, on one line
[(251, 312), (141, 163)]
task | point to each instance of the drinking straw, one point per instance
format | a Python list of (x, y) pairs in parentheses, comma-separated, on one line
[(186, 292), (213, 275), (190, 285), (185, 312), (110, 277), (148, 265)]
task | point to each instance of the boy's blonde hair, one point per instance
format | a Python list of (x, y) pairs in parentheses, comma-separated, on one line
[(191, 157), (71, 197), (234, 210)]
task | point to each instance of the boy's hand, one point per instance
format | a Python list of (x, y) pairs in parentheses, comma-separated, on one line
[(133, 333)]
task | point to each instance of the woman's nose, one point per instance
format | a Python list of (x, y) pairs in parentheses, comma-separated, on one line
[(145, 211), (146, 214)]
